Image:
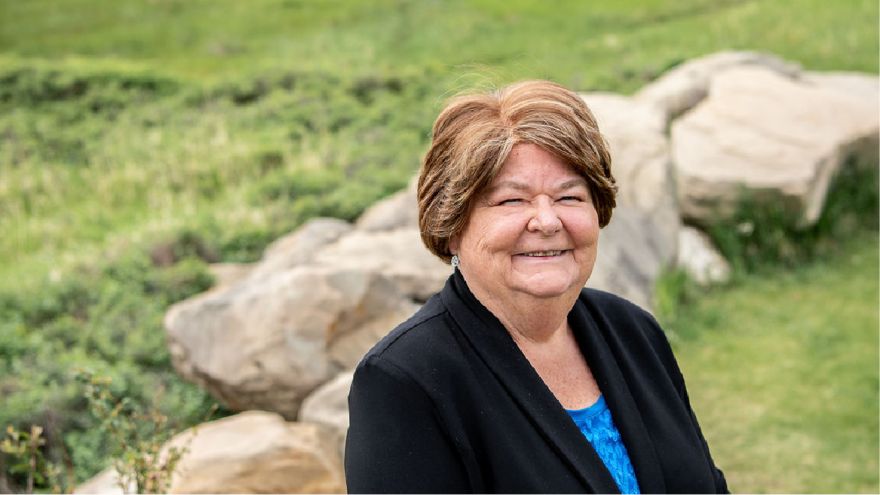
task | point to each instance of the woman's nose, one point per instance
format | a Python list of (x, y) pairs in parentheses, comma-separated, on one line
[(545, 219)]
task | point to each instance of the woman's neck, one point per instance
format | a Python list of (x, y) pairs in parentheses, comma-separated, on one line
[(530, 320), (539, 327)]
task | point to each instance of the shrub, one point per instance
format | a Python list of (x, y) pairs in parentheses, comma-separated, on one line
[(135, 436), (107, 317), (762, 234)]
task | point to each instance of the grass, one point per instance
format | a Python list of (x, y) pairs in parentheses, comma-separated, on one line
[(117, 165), (598, 43), (782, 370)]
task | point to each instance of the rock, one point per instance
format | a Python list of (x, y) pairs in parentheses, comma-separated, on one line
[(226, 274), (699, 258), (257, 452), (105, 483), (266, 343), (776, 137), (631, 257), (328, 405), (640, 161), (397, 254), (681, 88), (400, 210), (252, 452), (347, 349), (300, 246), (856, 84)]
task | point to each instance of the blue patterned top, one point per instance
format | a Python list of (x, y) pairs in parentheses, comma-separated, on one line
[(597, 425)]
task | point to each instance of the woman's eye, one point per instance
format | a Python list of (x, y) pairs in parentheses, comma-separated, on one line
[(509, 201), (571, 198)]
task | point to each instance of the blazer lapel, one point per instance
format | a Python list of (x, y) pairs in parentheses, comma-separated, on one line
[(620, 401), (497, 349)]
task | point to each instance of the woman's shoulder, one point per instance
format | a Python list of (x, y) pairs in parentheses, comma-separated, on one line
[(424, 333)]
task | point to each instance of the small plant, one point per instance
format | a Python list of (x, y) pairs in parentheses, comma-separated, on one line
[(26, 448), (142, 464), (673, 289)]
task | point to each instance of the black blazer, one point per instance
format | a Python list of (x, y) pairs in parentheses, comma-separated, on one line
[(447, 402)]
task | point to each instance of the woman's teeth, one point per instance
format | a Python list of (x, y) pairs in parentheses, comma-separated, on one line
[(541, 254)]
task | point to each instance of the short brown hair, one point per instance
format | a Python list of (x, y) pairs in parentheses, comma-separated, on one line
[(474, 135)]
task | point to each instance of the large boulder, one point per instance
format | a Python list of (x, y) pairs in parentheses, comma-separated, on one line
[(252, 452), (328, 405), (631, 257), (640, 161), (105, 483), (400, 210), (684, 86), (266, 343), (772, 135), (227, 274), (398, 254), (257, 452), (700, 259), (856, 84), (300, 246)]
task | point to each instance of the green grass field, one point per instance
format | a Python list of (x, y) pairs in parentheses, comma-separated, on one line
[(210, 128), (782, 370)]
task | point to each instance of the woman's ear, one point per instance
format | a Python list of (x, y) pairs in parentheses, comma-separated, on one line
[(454, 244)]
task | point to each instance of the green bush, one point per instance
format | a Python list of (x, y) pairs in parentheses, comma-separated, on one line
[(107, 317)]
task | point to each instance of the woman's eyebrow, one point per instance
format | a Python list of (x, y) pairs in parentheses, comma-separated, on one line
[(571, 184), (509, 184), (522, 186)]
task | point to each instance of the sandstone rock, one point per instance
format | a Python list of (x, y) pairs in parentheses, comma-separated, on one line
[(328, 405), (684, 86), (300, 246), (856, 84), (258, 452), (772, 135), (347, 349), (397, 254), (630, 258), (400, 210), (699, 258), (266, 343), (227, 274), (104, 483), (640, 161)]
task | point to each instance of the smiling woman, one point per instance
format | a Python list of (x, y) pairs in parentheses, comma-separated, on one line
[(515, 378)]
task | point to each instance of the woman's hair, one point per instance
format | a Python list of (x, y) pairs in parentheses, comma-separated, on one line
[(474, 135)]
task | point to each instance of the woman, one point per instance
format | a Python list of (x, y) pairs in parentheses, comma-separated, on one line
[(515, 378)]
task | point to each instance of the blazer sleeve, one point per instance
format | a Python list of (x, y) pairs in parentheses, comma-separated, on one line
[(396, 441)]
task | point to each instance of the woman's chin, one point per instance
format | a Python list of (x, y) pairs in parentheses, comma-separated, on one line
[(546, 285)]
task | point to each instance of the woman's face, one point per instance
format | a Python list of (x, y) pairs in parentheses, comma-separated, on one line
[(533, 231)]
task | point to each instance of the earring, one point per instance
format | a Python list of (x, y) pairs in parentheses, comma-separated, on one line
[(455, 261)]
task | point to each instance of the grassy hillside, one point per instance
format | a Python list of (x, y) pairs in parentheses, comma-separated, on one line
[(144, 118), (782, 371), (603, 44), (140, 139)]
